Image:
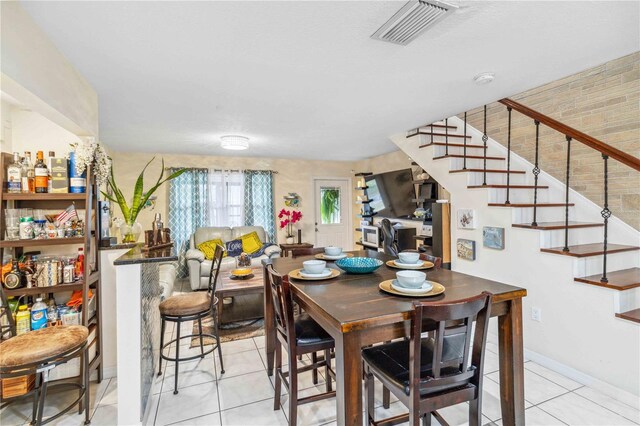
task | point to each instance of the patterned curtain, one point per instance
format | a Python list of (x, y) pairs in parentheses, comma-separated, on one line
[(188, 209), (258, 201)]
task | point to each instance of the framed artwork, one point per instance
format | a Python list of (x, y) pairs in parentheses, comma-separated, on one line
[(466, 249), (466, 219), (493, 237)]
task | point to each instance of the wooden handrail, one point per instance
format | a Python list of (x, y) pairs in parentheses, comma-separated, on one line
[(574, 134)]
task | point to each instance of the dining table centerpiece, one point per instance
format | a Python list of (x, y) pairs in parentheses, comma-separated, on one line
[(130, 229)]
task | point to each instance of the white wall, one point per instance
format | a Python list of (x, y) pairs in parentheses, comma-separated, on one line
[(5, 127), (33, 132), (578, 327), (39, 77)]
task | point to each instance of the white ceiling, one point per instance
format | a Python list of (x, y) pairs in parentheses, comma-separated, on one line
[(303, 79)]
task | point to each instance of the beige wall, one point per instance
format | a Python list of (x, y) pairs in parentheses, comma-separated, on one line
[(293, 176), (603, 102)]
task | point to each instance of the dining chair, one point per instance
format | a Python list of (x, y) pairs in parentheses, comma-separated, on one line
[(427, 374), (389, 244), (299, 252), (192, 306), (437, 261), (298, 336)]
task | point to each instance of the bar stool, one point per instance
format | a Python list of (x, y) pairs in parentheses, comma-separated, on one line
[(190, 307), (39, 351)]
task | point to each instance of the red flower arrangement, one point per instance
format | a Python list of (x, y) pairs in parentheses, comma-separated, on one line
[(288, 218)]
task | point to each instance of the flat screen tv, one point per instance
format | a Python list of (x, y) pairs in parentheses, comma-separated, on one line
[(391, 193)]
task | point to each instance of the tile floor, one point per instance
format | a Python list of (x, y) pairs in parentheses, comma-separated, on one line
[(244, 396)]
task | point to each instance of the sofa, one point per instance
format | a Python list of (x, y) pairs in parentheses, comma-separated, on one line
[(199, 267)]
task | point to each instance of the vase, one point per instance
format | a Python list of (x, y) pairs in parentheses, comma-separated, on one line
[(130, 232), (289, 240)]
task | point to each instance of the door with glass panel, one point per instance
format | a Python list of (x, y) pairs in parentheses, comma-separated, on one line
[(332, 213)]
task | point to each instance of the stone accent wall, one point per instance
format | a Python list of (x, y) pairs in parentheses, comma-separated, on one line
[(603, 102)]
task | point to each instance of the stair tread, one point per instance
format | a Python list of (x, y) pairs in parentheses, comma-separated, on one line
[(454, 145), (530, 205), (618, 280), (509, 186), (632, 315), (451, 135), (479, 157), (587, 250), (558, 225), (519, 172)]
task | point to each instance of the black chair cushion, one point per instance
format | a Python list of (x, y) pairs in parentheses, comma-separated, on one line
[(391, 360), (308, 332)]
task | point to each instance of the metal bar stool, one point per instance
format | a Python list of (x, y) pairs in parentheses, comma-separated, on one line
[(39, 351), (191, 307)]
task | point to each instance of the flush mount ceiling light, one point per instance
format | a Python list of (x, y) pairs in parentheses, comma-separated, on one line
[(413, 19), (484, 78), (234, 142)]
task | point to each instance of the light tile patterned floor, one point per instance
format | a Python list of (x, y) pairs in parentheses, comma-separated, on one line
[(244, 396)]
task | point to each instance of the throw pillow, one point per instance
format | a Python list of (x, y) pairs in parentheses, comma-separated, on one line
[(234, 248), (251, 242), (209, 248)]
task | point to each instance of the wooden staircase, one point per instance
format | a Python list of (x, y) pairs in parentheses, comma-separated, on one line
[(619, 280)]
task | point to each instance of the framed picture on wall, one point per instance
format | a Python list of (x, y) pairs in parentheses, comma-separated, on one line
[(466, 249), (466, 219), (493, 237)]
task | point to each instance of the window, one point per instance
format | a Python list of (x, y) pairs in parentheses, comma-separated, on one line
[(329, 206), (226, 198)]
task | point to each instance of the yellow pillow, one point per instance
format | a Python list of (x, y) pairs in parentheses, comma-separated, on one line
[(251, 242), (209, 248)]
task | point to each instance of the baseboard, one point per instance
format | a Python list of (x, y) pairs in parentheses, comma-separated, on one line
[(585, 379), (109, 372)]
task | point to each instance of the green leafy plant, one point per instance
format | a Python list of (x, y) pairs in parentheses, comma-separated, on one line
[(131, 211), (329, 204)]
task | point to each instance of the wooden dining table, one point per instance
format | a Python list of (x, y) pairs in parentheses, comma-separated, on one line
[(356, 313)]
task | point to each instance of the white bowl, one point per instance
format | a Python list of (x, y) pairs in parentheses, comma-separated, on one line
[(409, 257), (332, 251), (411, 279), (314, 266)]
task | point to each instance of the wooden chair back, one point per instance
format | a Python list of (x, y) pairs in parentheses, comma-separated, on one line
[(437, 261), (282, 306), (449, 320), (299, 252), (214, 272)]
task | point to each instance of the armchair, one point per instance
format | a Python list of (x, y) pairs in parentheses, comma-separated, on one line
[(199, 267)]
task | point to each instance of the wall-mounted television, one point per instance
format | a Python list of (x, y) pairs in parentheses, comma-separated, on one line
[(391, 193)]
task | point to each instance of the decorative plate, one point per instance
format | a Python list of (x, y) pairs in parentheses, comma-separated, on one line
[(359, 265), (435, 290), (296, 274), (324, 256), (425, 265)]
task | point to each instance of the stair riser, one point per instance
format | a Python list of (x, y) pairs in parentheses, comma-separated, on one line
[(626, 300), (497, 195), (544, 214), (474, 163), (555, 238), (440, 150), (475, 178), (587, 266)]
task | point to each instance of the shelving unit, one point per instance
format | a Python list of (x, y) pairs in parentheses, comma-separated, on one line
[(87, 201)]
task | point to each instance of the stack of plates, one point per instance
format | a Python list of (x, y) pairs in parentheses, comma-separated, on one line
[(422, 264), (428, 288), (301, 274)]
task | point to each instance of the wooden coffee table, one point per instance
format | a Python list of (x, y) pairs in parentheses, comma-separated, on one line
[(228, 286)]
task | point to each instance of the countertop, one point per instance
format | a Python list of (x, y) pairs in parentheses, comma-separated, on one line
[(136, 255), (119, 246)]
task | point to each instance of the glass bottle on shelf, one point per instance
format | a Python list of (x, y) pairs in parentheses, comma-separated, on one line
[(79, 265), (14, 175), (28, 178), (41, 174), (52, 154)]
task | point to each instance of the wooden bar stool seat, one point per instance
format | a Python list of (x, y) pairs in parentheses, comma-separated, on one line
[(39, 351), (194, 306)]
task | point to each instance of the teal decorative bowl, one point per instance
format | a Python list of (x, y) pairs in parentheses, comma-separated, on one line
[(359, 265)]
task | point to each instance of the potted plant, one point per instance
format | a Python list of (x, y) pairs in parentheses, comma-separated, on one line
[(130, 229), (287, 219)]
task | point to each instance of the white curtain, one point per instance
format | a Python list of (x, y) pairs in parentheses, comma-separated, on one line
[(226, 197)]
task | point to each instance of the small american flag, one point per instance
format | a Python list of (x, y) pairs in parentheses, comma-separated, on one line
[(67, 215)]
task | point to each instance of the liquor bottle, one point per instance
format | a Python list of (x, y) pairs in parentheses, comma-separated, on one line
[(14, 175), (79, 265), (31, 176), (28, 176), (41, 174), (52, 154)]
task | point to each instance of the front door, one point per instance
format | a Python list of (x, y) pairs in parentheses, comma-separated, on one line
[(332, 213)]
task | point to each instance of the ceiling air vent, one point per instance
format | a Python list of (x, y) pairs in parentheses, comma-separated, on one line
[(409, 22)]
